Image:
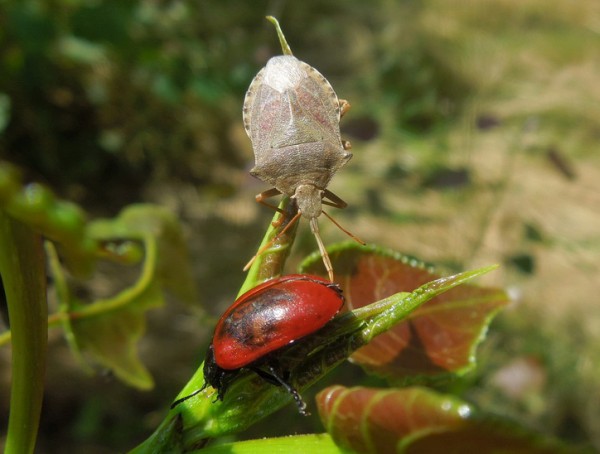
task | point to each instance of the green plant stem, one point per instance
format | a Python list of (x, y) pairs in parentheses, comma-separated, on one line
[(270, 263), (22, 267)]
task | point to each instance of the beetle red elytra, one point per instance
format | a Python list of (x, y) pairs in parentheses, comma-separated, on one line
[(261, 323), (292, 116)]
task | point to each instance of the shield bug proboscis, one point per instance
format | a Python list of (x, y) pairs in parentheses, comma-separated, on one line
[(292, 116)]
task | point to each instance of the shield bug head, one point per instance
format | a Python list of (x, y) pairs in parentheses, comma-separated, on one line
[(261, 324), (292, 116)]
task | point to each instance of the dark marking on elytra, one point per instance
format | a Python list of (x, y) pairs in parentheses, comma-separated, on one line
[(254, 323)]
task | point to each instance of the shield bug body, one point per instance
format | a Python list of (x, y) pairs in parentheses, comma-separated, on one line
[(262, 323), (292, 116)]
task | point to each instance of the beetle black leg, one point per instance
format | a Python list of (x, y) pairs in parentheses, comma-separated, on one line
[(225, 379), (293, 391), (266, 376), (273, 377)]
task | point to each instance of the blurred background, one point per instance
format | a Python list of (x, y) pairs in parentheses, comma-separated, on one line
[(475, 128)]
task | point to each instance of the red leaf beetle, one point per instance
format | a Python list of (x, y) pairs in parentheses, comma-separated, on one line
[(262, 322)]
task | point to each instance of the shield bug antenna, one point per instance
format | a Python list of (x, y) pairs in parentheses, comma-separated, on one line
[(292, 116)]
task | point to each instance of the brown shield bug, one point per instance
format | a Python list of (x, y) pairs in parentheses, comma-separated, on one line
[(292, 116)]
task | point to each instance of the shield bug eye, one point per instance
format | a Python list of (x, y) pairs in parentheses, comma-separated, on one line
[(292, 116), (264, 322)]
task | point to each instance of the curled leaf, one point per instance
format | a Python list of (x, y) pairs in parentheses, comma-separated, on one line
[(151, 223), (108, 330), (417, 420)]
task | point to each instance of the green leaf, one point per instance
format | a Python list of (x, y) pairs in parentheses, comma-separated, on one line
[(438, 338), (151, 223), (300, 444), (111, 337), (167, 438), (109, 329), (418, 420), (65, 302)]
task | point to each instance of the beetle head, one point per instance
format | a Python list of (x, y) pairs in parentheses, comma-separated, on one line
[(215, 376)]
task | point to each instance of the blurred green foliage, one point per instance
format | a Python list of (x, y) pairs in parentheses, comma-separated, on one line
[(97, 92), (96, 87)]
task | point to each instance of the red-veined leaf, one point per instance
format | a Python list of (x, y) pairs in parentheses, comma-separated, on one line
[(418, 420), (439, 337)]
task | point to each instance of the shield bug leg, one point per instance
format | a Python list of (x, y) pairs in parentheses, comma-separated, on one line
[(270, 243), (334, 200), (344, 107), (314, 226), (260, 198)]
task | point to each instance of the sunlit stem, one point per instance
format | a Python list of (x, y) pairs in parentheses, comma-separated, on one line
[(270, 243)]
